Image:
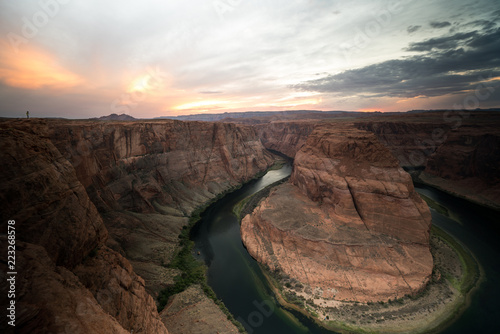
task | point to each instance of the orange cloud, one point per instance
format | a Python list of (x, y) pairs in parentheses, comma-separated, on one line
[(34, 69)]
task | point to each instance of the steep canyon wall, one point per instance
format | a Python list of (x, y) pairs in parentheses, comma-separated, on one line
[(97, 202), (349, 225)]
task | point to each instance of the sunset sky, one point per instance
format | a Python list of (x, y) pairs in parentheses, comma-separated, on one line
[(80, 59)]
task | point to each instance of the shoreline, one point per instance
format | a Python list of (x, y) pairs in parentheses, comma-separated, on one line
[(192, 271), (443, 316), (434, 182)]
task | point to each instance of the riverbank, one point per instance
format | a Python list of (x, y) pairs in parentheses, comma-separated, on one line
[(455, 276), (192, 271), (463, 190)]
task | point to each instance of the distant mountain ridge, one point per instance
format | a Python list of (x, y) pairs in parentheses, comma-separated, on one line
[(115, 117), (247, 114)]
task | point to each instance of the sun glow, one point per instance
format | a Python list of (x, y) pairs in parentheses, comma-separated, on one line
[(34, 69)]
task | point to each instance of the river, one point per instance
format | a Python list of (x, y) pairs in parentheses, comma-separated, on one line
[(238, 281)]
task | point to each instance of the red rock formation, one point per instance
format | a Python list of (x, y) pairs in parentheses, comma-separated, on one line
[(467, 165), (40, 189), (285, 137), (145, 179), (140, 166), (410, 140), (458, 149), (57, 229), (350, 224)]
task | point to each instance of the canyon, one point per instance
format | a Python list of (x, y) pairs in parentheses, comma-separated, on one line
[(99, 206), (349, 225)]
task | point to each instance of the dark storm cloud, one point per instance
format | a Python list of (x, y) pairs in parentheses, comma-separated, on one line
[(485, 24), (412, 29), (439, 25), (469, 58), (484, 40), (442, 43)]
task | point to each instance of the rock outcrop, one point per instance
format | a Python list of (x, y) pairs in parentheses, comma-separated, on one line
[(467, 165), (58, 231), (456, 150), (88, 196), (411, 140), (191, 311), (285, 137), (147, 177), (349, 226)]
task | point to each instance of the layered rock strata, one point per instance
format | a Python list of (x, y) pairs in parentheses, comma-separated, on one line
[(89, 196), (147, 177), (285, 137), (467, 165), (349, 225), (59, 236), (456, 150)]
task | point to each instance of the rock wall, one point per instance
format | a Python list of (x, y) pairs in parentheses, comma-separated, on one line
[(456, 150), (58, 231), (467, 165), (285, 137), (147, 177), (349, 226), (411, 142), (90, 196)]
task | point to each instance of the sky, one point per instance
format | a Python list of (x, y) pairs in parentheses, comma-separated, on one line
[(81, 59)]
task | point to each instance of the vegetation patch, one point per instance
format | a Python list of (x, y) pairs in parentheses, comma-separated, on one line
[(434, 205), (248, 204)]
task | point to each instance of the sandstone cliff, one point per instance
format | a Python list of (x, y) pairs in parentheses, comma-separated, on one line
[(457, 150), (285, 137), (467, 165), (349, 226), (411, 140), (147, 177), (58, 231), (79, 188)]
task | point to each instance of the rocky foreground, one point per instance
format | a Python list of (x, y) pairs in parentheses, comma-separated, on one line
[(349, 225), (98, 207)]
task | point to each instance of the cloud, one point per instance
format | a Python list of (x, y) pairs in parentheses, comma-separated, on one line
[(412, 29), (449, 65), (442, 43), (211, 92), (249, 56), (439, 25)]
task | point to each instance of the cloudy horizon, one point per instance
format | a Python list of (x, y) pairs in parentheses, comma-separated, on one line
[(73, 59)]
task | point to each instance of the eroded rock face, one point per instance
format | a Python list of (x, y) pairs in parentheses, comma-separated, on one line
[(410, 140), (191, 311), (58, 229), (456, 149), (467, 164), (349, 226), (285, 137), (120, 291), (51, 299), (40, 189), (144, 178), (147, 177)]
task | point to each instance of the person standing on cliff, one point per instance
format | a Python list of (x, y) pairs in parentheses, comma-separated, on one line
[(28, 114)]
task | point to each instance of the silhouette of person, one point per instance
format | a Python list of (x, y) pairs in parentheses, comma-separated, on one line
[(27, 114)]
